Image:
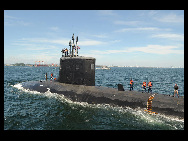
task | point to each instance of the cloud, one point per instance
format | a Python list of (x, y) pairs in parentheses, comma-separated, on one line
[(91, 43), (127, 22), (9, 17), (151, 49), (170, 36), (165, 16), (41, 48), (100, 35), (107, 13), (138, 29), (158, 49), (14, 21), (37, 44), (152, 13), (61, 41), (54, 28), (170, 18)]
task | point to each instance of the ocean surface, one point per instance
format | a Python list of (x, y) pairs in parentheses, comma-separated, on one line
[(31, 110)]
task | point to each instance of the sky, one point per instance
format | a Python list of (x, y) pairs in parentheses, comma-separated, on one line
[(148, 38)]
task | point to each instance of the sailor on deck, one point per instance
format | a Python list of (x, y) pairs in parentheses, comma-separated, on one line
[(144, 86), (150, 86), (131, 84)]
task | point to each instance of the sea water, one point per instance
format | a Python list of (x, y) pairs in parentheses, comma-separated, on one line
[(32, 110)]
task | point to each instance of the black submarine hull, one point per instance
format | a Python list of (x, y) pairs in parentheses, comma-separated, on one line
[(162, 104)]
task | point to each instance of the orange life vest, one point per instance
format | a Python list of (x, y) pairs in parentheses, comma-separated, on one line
[(149, 84), (131, 82), (144, 84)]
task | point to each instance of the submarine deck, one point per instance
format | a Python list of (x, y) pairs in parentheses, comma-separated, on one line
[(162, 104)]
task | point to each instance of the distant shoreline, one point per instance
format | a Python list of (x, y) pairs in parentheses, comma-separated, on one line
[(30, 65), (97, 66)]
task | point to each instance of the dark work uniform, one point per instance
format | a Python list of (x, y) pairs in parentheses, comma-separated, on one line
[(175, 87)]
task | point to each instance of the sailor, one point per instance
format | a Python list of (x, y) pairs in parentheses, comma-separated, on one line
[(51, 76), (150, 86), (66, 52), (149, 104), (176, 90), (77, 49), (46, 76), (144, 86), (63, 51), (131, 84)]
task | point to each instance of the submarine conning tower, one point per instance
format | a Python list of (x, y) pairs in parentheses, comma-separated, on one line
[(76, 69)]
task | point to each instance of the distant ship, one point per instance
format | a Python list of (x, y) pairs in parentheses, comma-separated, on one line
[(103, 68), (41, 65)]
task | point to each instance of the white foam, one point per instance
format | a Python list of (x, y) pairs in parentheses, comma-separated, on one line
[(19, 86)]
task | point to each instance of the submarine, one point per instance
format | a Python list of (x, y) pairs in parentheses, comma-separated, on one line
[(76, 82)]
